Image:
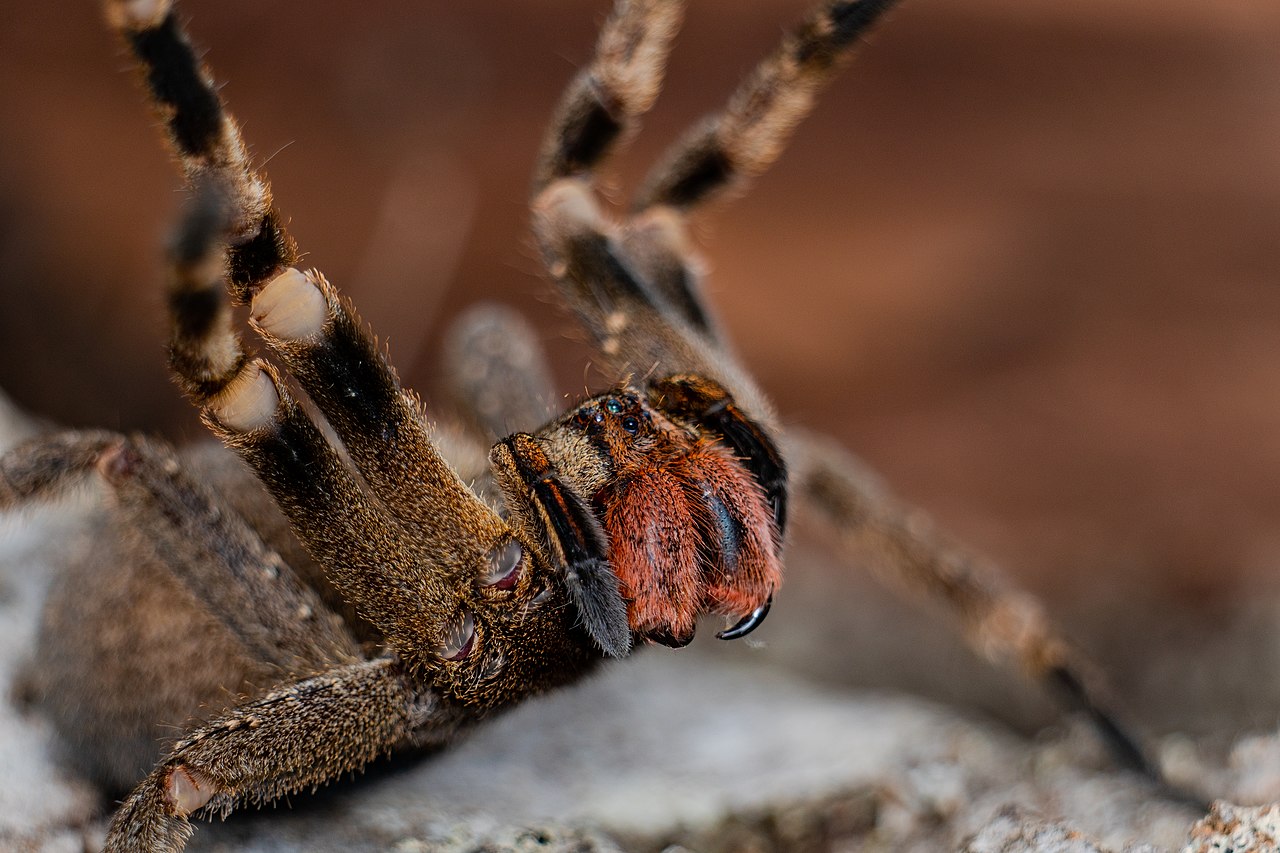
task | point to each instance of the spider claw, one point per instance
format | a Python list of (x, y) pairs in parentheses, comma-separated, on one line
[(748, 623)]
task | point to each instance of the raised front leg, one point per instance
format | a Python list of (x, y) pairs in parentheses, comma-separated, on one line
[(401, 536), (1005, 625)]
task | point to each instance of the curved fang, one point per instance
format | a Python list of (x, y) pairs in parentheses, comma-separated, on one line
[(748, 623)]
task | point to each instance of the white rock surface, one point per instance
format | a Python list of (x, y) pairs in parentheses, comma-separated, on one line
[(1235, 829), (40, 806)]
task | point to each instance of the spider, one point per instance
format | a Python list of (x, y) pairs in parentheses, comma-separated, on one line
[(375, 601)]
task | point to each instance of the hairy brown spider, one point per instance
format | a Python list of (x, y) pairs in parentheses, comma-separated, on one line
[(381, 602)]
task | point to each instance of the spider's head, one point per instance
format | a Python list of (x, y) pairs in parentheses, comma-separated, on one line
[(653, 505)]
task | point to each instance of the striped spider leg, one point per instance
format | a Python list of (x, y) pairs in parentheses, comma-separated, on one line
[(634, 284)]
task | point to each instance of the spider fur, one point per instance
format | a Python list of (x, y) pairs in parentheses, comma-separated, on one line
[(375, 600)]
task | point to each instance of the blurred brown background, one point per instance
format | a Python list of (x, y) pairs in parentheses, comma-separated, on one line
[(1024, 258)]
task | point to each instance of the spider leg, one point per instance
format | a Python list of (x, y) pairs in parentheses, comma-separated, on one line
[(635, 288), (317, 336), (743, 140), (212, 552), (722, 153), (637, 331), (419, 555), (407, 575), (600, 106), (294, 738), (325, 347), (1002, 624), (244, 403), (603, 103), (45, 467), (656, 244), (633, 325), (205, 139), (498, 372)]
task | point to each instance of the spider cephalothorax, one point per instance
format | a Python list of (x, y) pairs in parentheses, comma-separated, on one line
[(663, 503), (371, 597)]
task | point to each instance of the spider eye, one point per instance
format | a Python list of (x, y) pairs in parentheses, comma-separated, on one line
[(613, 406), (504, 565), (459, 637), (631, 425)]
